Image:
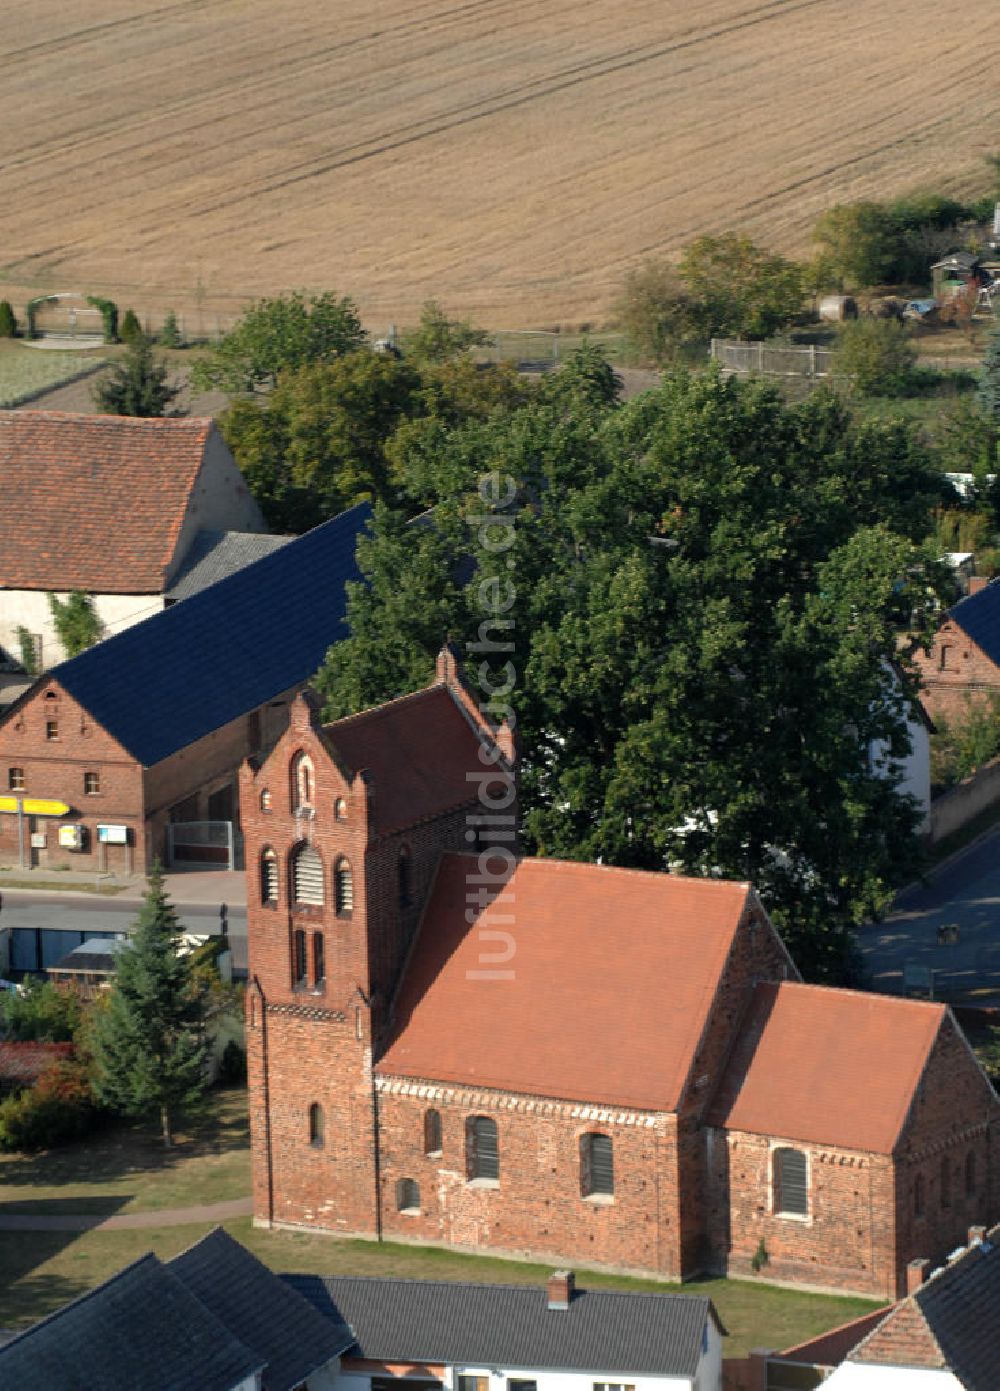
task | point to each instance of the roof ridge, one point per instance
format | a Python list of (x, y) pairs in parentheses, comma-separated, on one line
[(663, 874), (538, 1289), (383, 706), (939, 1006)]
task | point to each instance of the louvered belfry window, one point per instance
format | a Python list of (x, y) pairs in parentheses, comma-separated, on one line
[(791, 1183), (268, 877), (483, 1151), (597, 1166), (343, 889), (307, 876)]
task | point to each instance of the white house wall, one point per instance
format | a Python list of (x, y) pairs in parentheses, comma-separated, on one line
[(220, 501), (863, 1376), (29, 608), (709, 1377)]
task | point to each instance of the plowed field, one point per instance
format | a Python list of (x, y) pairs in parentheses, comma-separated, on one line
[(509, 157)]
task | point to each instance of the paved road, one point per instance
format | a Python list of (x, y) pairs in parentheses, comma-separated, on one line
[(964, 892)]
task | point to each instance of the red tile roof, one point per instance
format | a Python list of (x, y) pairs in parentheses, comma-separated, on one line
[(24, 1063), (613, 975), (418, 750), (803, 1067), (94, 502)]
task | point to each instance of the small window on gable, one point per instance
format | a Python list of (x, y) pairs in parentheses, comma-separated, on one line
[(432, 1132), (597, 1172), (319, 961), (404, 879), (317, 1126), (268, 876), (265, 799), (944, 656), (945, 1181), (407, 1195), (303, 782), (340, 809), (343, 889), (791, 1184), (91, 784), (307, 876), (970, 1175), (51, 695), (52, 729), (298, 958), (918, 1196), (482, 1151), (15, 779)]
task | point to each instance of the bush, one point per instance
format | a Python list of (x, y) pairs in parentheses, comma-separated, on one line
[(8, 320), (170, 334), (657, 314), (876, 355), (43, 1014), (58, 1108), (962, 745), (130, 330)]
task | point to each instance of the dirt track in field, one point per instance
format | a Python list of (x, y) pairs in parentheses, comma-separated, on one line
[(509, 157)]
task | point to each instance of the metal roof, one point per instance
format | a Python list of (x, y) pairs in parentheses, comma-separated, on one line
[(162, 684), (214, 555), (512, 1326)]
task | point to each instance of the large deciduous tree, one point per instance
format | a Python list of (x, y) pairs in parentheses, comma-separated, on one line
[(704, 605), (149, 1045), (275, 334)]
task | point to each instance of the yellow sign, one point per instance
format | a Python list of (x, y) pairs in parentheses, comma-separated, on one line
[(34, 806)]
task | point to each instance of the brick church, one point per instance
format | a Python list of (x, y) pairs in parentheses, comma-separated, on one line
[(571, 1062)]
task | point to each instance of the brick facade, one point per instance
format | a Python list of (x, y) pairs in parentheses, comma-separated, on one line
[(954, 673), (689, 1193)]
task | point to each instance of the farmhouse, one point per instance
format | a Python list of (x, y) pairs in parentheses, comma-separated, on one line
[(568, 1061), (114, 507), (962, 667), (136, 742)]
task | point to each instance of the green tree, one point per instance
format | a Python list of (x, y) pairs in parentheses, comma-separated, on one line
[(76, 622), (439, 339), (130, 329), (858, 245), (657, 314), (149, 1045), (170, 334), (29, 650), (8, 320), (876, 356), (136, 384), (988, 393), (703, 605), (739, 288), (42, 1014), (273, 335)]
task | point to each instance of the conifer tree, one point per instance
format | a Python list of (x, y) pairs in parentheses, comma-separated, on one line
[(150, 1049), (136, 384)]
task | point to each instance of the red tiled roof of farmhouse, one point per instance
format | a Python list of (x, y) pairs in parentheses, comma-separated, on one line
[(419, 751), (94, 502), (612, 978), (827, 1066)]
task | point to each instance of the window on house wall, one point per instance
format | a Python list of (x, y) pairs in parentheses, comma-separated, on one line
[(317, 1126), (944, 657), (407, 1195), (467, 1383), (432, 1132), (265, 799), (597, 1172), (520, 1384), (945, 1181), (268, 876), (319, 963), (970, 1175), (298, 958), (52, 729), (482, 1152), (343, 888), (791, 1186), (613, 1386), (91, 784), (15, 779), (303, 781), (918, 1196), (403, 876), (340, 809), (307, 876)]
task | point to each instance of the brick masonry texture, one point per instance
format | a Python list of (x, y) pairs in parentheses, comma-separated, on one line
[(689, 1194), (954, 673)]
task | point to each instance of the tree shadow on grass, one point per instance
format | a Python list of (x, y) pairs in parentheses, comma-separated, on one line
[(24, 1296)]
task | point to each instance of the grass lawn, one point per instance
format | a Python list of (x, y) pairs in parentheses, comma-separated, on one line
[(127, 1170), (25, 371)]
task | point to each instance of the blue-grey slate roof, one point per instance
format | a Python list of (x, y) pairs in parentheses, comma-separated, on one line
[(259, 1309), (512, 1326), (979, 616), (162, 684), (214, 555), (142, 1328)]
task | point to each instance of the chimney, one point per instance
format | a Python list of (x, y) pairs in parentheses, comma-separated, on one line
[(976, 1235), (561, 1289), (448, 666), (916, 1273), (978, 582)]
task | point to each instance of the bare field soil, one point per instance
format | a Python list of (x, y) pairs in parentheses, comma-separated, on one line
[(509, 157)]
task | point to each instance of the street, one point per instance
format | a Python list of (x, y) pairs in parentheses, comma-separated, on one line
[(964, 895)]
